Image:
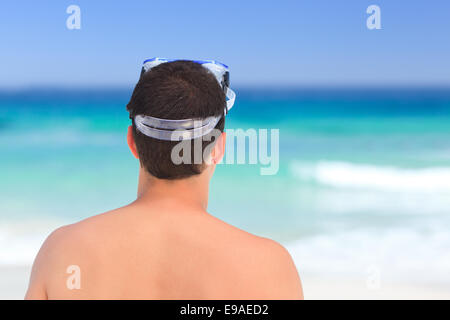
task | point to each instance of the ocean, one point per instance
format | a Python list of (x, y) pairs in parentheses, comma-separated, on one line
[(363, 181)]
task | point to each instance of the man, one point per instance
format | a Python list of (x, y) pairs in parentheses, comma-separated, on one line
[(165, 245)]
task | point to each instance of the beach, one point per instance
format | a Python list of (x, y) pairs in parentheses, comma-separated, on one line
[(14, 282), (361, 194), (332, 289)]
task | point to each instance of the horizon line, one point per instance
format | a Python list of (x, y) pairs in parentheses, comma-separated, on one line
[(270, 87)]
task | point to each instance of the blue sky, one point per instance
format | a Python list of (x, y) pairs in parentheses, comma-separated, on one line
[(295, 43)]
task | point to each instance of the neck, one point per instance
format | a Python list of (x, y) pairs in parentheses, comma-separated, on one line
[(191, 192)]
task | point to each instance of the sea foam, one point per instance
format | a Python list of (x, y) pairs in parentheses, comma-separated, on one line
[(395, 254), (363, 176)]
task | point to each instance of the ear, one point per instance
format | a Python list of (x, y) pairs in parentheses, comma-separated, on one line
[(218, 151), (131, 144)]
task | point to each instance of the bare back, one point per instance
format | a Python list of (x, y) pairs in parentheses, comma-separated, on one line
[(162, 252)]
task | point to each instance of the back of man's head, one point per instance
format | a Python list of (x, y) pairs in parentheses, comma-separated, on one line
[(174, 90)]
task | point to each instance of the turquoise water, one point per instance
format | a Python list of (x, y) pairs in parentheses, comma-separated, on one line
[(363, 180)]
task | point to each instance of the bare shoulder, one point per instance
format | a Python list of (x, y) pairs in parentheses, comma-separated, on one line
[(274, 271), (73, 237), (264, 267), (42, 266), (78, 239), (66, 248)]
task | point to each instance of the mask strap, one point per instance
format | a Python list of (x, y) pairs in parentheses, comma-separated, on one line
[(231, 95), (175, 130)]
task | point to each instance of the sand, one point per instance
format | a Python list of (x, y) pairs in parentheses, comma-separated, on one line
[(320, 288), (14, 282)]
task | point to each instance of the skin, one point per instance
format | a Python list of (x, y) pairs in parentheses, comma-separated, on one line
[(164, 245)]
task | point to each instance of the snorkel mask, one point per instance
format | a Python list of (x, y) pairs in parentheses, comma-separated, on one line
[(185, 129)]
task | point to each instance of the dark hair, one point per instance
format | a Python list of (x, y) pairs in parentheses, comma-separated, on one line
[(174, 90)]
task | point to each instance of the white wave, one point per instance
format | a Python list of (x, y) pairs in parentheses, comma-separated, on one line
[(358, 176), (362, 202), (20, 241), (396, 255)]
